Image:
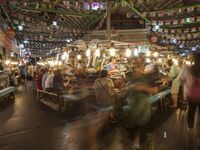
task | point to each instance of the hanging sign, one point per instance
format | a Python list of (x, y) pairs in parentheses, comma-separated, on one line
[(175, 21)]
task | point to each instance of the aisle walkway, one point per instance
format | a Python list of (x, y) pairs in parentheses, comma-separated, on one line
[(29, 125)]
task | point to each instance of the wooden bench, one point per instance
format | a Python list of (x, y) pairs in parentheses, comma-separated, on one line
[(80, 95), (7, 93), (160, 98), (50, 99)]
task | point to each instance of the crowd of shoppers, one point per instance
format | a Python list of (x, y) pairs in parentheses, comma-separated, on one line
[(184, 82)]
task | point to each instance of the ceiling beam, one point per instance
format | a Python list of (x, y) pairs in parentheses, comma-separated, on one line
[(178, 7), (131, 6), (59, 11), (180, 25)]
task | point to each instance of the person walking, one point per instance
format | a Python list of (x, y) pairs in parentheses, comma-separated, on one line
[(191, 81), (175, 82)]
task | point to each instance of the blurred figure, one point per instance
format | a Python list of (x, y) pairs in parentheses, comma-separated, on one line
[(30, 74), (49, 81), (104, 90), (138, 90), (44, 78), (58, 82), (38, 79), (111, 65), (80, 71), (23, 73), (175, 82), (151, 67), (191, 79)]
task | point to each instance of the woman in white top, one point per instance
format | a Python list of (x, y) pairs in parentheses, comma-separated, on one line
[(49, 81)]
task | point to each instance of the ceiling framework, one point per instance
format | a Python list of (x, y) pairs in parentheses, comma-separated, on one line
[(73, 20), (37, 19)]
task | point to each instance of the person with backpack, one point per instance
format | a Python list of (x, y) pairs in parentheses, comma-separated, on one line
[(191, 82)]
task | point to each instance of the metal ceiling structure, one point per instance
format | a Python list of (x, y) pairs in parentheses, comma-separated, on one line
[(72, 19)]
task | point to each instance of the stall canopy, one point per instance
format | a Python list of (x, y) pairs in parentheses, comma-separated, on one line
[(43, 25)]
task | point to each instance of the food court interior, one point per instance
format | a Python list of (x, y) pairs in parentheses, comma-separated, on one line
[(99, 75)]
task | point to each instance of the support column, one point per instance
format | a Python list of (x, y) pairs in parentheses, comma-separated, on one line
[(108, 20)]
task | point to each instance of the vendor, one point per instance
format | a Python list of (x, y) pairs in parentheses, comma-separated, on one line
[(80, 70), (58, 82), (104, 90), (111, 65)]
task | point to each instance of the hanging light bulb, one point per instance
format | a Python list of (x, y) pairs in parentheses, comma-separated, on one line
[(20, 27), (155, 54), (67, 56), (159, 60), (136, 52), (79, 57), (7, 62), (88, 52), (64, 56), (56, 62), (112, 52), (157, 27), (148, 53), (59, 63), (148, 60), (175, 61), (128, 52), (97, 52)]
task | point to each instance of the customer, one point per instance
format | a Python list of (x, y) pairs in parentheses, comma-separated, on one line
[(29, 76), (38, 79), (191, 80), (175, 82), (44, 78), (104, 90), (49, 81), (58, 82), (137, 90), (23, 73)]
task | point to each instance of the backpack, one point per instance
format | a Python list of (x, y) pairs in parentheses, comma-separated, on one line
[(194, 90)]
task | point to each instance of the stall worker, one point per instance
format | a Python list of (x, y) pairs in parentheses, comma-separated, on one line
[(58, 82), (23, 72), (44, 78), (111, 65), (80, 70), (104, 90), (38, 79), (175, 82), (49, 81)]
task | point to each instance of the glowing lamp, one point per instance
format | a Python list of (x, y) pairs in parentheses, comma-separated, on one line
[(97, 52), (128, 52), (148, 53), (88, 52), (136, 52), (112, 52), (79, 57), (155, 54)]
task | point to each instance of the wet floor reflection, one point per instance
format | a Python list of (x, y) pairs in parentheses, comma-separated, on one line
[(94, 132), (46, 129)]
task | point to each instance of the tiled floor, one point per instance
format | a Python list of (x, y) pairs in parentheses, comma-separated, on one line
[(28, 125)]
